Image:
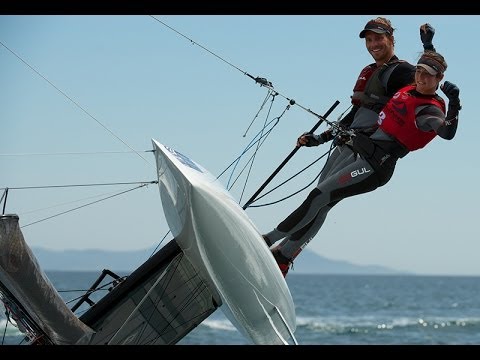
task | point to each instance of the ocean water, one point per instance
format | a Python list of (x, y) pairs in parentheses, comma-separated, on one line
[(341, 310)]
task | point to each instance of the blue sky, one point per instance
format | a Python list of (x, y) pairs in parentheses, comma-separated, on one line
[(141, 80)]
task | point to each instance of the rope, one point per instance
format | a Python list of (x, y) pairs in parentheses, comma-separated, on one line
[(292, 177)]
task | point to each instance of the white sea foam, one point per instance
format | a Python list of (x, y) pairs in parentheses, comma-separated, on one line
[(219, 325)]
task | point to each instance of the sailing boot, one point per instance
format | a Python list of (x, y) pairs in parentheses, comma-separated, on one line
[(282, 261)]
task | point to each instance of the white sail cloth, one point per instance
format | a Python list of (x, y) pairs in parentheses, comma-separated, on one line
[(22, 276)]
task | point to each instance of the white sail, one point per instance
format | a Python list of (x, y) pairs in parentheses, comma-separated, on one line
[(22, 280)]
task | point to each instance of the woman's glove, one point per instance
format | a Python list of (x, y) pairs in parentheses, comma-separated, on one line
[(426, 35)]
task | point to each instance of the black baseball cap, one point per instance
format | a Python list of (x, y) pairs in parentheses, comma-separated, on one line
[(378, 27), (431, 65)]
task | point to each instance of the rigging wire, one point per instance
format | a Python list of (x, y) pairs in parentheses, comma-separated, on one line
[(5, 195), (259, 144), (249, 146), (145, 183), (77, 153), (79, 207), (87, 292), (260, 134), (65, 203), (160, 243), (262, 81), (262, 139), (73, 101), (292, 153), (81, 185), (292, 177), (269, 93), (200, 45)]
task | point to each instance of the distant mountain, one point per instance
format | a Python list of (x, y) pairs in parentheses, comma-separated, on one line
[(311, 263), (90, 260), (126, 261)]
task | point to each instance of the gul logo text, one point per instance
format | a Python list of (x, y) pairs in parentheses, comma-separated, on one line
[(346, 177)]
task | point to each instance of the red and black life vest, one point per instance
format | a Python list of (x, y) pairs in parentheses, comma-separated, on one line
[(398, 118), (359, 87), (371, 87)]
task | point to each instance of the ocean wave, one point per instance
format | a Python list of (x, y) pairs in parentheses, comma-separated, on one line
[(348, 324)]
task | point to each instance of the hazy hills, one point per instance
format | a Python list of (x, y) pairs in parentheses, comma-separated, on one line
[(97, 260)]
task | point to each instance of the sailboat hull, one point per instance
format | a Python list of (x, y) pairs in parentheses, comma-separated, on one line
[(222, 242)]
